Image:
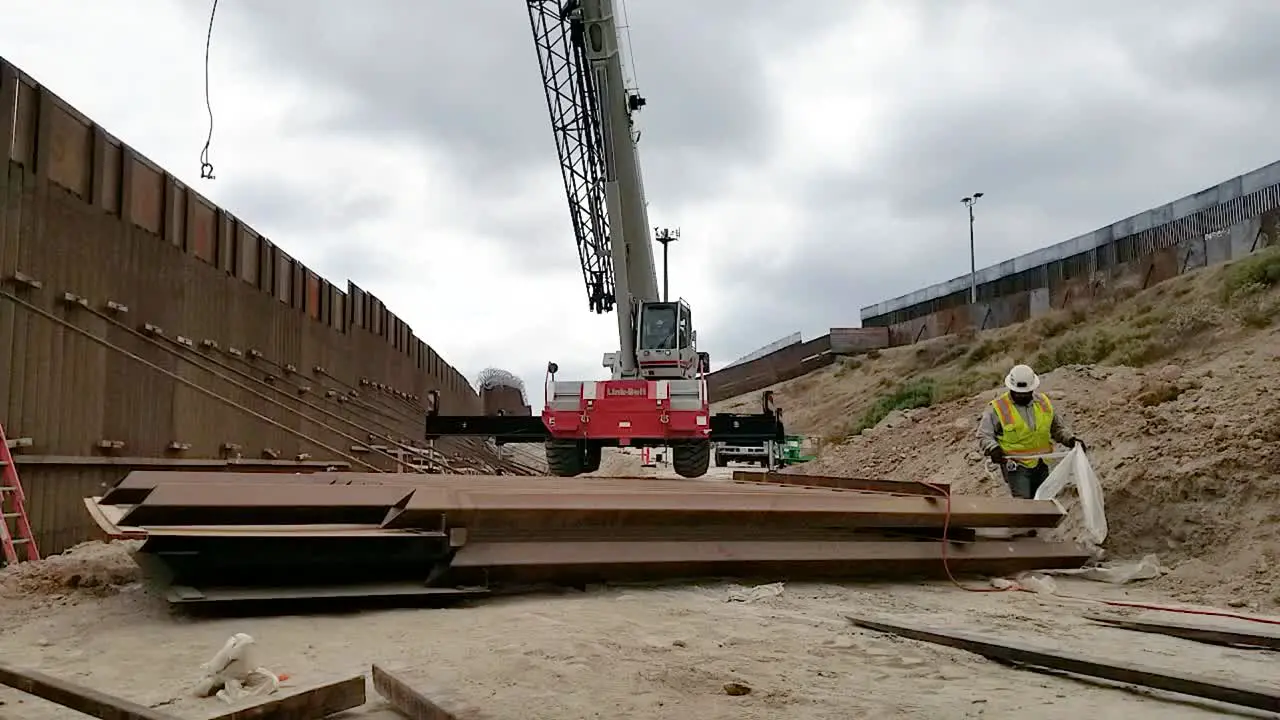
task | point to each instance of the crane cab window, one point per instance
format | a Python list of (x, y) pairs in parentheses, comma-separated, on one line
[(685, 325), (658, 326)]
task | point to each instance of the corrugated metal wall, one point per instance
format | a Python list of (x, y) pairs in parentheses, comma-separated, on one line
[(139, 320)]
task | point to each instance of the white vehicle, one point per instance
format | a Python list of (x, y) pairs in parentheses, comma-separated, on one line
[(752, 453)]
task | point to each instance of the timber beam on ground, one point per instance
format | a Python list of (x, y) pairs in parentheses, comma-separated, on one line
[(77, 697), (1032, 656)]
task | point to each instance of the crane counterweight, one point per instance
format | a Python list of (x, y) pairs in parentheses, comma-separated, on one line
[(657, 391)]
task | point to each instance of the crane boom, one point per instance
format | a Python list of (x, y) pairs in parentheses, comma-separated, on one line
[(592, 120), (658, 393), (575, 124)]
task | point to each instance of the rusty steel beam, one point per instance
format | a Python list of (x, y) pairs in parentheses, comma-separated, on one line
[(137, 485), (565, 562), (898, 487), (224, 596), (264, 503), (723, 532), (133, 488), (517, 507)]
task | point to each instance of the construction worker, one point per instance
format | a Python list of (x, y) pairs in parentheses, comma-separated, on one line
[(1019, 426)]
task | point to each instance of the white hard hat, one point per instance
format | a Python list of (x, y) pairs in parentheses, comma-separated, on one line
[(1022, 379)]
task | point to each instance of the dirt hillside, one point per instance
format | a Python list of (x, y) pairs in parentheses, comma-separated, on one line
[(1175, 389)]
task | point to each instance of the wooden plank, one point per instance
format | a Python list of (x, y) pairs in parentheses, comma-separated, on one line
[(314, 702), (1191, 631), (416, 705), (1236, 693), (77, 697)]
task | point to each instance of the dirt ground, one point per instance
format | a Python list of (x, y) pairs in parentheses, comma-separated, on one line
[(655, 652)]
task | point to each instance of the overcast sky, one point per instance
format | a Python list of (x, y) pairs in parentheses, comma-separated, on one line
[(813, 153)]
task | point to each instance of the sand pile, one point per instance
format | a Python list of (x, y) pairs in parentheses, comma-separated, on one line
[(1176, 390), (1188, 455), (93, 568)]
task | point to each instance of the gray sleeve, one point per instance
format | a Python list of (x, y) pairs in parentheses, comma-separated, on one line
[(1060, 429), (988, 429)]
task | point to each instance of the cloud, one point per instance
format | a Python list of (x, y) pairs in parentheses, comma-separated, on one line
[(813, 154)]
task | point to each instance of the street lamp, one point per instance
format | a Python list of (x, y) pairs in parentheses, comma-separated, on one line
[(666, 236), (973, 262)]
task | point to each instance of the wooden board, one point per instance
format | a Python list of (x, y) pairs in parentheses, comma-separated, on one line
[(1236, 693), (312, 703), (77, 697), (437, 704), (1191, 631)]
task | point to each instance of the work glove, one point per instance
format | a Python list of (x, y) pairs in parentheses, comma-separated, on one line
[(996, 454), (1078, 443)]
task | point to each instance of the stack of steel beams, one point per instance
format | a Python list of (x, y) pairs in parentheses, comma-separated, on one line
[(213, 537)]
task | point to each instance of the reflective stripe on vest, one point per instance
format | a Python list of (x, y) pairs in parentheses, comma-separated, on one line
[(1016, 438)]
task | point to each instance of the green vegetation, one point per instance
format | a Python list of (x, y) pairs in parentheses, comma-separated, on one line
[(915, 394), (1121, 325), (1252, 274)]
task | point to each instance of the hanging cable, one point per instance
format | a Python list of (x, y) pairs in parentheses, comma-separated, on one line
[(206, 167)]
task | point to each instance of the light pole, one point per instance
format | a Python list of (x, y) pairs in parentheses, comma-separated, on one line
[(973, 261), (666, 237)]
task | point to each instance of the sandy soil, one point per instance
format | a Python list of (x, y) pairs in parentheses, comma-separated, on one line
[(1194, 478), (1187, 447), (610, 652)]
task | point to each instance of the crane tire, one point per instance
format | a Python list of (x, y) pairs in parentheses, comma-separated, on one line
[(564, 458), (691, 459), (591, 454)]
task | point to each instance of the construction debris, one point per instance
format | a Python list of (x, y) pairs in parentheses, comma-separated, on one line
[(1235, 693), (235, 537)]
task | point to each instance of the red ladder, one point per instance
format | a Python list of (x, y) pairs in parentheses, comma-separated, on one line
[(13, 507)]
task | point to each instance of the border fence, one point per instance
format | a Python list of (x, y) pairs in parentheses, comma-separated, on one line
[(142, 326)]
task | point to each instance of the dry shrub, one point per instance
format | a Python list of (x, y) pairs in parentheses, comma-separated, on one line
[(1261, 271), (1084, 346), (1157, 393), (934, 353), (1254, 305)]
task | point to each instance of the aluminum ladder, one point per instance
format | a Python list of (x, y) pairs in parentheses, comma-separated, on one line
[(13, 509)]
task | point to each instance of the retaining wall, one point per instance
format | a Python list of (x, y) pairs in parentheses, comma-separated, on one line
[(140, 321), (1228, 221), (789, 362), (1074, 289)]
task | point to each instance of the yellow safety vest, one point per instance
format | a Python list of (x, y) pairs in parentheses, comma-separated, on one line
[(1015, 437)]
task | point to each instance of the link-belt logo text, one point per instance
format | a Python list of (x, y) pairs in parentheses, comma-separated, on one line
[(626, 392)]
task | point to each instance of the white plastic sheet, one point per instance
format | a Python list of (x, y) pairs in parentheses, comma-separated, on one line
[(1074, 469), (231, 674)]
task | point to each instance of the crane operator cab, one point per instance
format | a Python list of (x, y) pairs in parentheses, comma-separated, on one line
[(666, 342)]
